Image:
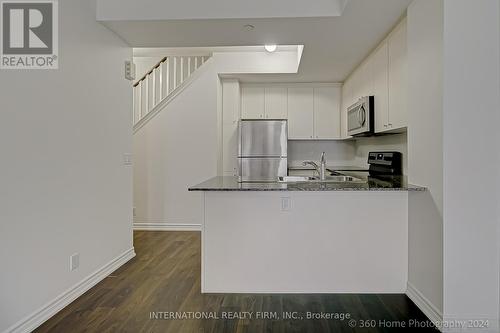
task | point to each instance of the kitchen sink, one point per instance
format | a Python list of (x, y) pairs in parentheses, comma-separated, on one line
[(329, 179), (297, 179)]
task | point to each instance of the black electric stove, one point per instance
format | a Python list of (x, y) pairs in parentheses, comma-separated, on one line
[(386, 169), (389, 163)]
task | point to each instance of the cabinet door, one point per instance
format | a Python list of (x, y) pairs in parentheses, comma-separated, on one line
[(327, 113), (230, 116), (379, 70), (359, 83), (398, 78), (276, 103), (300, 113), (364, 86), (252, 102), (346, 102), (355, 87)]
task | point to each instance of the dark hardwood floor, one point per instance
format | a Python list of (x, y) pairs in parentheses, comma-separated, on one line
[(164, 277)]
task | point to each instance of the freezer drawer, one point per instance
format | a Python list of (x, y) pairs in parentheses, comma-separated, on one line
[(263, 138), (261, 169)]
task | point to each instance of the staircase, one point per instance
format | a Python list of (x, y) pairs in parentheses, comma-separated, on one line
[(161, 84)]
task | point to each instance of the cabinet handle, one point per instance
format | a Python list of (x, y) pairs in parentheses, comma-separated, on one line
[(389, 125), (385, 125)]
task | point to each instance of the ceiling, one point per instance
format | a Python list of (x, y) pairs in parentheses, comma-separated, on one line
[(333, 46), (111, 10)]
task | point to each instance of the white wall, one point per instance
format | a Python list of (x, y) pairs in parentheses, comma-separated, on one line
[(182, 145), (470, 138), (393, 142), (64, 187), (425, 150), (175, 150), (338, 153)]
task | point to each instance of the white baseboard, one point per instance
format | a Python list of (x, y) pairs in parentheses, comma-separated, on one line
[(38, 317), (429, 309), (167, 226)]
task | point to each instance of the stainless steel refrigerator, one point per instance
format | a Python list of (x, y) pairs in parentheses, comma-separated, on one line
[(262, 150)]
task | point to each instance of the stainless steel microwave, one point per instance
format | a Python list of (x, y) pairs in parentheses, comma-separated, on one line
[(360, 117)]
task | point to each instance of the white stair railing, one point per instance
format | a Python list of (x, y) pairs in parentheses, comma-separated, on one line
[(162, 81)]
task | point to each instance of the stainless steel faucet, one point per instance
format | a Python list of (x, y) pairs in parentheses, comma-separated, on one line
[(321, 168)]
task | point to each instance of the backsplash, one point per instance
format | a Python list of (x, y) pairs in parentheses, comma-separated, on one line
[(349, 152), (394, 142), (337, 152)]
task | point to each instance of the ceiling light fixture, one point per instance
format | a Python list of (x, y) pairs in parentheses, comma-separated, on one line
[(270, 47)]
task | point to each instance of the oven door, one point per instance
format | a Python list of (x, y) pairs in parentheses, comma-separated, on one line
[(357, 122)]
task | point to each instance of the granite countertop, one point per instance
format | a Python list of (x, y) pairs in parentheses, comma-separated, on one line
[(395, 183)]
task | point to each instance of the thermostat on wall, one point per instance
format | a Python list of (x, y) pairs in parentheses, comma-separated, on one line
[(129, 70)]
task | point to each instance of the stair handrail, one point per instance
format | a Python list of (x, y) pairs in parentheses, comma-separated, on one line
[(150, 71)]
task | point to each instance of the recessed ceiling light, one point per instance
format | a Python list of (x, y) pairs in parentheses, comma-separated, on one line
[(248, 27), (270, 47)]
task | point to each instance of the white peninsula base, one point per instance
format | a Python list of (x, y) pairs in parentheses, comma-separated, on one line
[(305, 242)]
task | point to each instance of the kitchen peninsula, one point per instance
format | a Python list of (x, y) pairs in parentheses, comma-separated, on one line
[(305, 237)]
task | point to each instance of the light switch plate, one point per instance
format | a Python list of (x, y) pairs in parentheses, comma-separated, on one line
[(74, 261)]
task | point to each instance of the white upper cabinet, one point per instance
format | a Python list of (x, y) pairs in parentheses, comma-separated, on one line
[(260, 102), (312, 110), (355, 80), (252, 102), (379, 69), (384, 75), (276, 102), (300, 113), (364, 87), (398, 82), (346, 102), (327, 113), (230, 116)]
